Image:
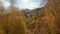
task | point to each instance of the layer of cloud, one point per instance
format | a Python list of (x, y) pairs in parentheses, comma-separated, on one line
[(32, 4), (27, 4), (6, 4)]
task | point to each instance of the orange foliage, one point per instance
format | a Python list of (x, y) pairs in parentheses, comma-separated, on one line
[(46, 22)]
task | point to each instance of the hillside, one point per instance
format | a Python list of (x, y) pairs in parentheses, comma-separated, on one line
[(44, 20)]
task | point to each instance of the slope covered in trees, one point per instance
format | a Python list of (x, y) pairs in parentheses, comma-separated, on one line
[(44, 20)]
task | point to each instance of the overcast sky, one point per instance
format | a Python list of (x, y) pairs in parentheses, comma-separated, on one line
[(26, 4)]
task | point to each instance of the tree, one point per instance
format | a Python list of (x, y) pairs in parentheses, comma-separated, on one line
[(1, 7), (12, 6)]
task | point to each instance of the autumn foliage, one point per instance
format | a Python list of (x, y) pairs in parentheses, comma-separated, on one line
[(44, 20)]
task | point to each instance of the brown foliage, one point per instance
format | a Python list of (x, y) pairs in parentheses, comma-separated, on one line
[(47, 21)]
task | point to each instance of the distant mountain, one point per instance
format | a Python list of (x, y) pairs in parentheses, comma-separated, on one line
[(26, 10)]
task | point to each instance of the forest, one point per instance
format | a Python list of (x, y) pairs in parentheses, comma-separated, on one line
[(45, 20)]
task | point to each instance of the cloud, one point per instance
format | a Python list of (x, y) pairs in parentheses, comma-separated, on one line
[(25, 1), (6, 4), (33, 5), (30, 4), (27, 4)]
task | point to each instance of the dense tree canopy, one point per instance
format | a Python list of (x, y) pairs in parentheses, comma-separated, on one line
[(44, 20)]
